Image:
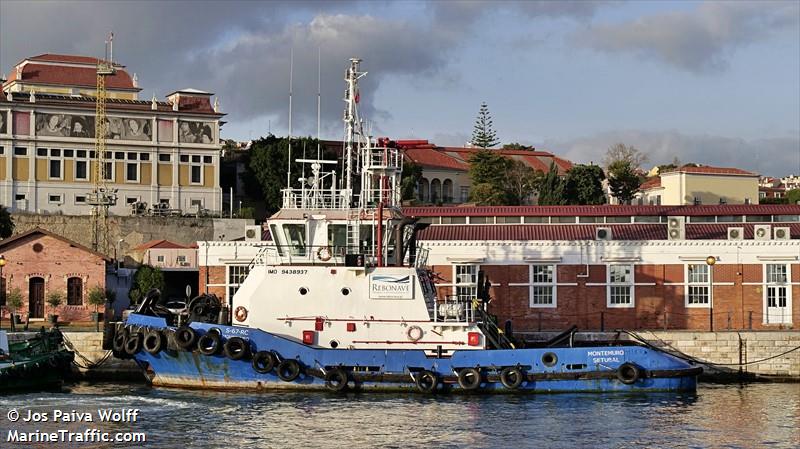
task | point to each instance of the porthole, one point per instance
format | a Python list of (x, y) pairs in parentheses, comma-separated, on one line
[(549, 359), (345, 291), (334, 344), (303, 291)]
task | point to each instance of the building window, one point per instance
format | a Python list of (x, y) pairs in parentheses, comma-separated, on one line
[(777, 294), (164, 158), (132, 172), (108, 171), (144, 156), (74, 291), (55, 199), (543, 286), (197, 174), (465, 282), (69, 153), (464, 194), (80, 199), (20, 197), (184, 158), (55, 168), (620, 286), (160, 258), (196, 159), (81, 172), (119, 155), (206, 159), (236, 276), (41, 152), (20, 151), (697, 285), (132, 156)]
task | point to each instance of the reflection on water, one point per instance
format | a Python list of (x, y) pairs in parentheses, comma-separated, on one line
[(758, 415)]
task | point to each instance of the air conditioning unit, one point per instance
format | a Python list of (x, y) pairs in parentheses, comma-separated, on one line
[(676, 228), (602, 234), (783, 233), (252, 233), (735, 233), (762, 232)]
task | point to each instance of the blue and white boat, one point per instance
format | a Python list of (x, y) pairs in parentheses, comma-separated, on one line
[(342, 299)]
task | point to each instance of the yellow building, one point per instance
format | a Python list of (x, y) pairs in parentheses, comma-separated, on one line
[(700, 185), (164, 153)]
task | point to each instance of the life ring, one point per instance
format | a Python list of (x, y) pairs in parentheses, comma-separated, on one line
[(324, 253), (336, 379), (469, 378), (209, 343), (240, 314), (628, 373), (511, 377), (236, 348), (264, 362), (414, 333), (426, 381)]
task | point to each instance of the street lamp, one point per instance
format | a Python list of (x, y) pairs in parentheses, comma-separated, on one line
[(710, 261)]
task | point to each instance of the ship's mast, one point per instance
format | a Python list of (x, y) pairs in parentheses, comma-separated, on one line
[(351, 121)]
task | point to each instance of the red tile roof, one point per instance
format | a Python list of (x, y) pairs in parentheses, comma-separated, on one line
[(639, 231), (160, 244), (65, 75), (429, 157), (36, 232), (603, 210), (709, 170), (112, 104), (73, 59), (651, 183)]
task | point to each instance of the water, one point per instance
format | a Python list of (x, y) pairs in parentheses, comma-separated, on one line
[(719, 416)]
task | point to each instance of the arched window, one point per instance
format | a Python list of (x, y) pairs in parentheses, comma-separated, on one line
[(423, 189), (74, 291), (447, 191), (436, 191)]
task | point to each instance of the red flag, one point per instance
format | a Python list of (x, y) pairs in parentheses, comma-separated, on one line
[(358, 96)]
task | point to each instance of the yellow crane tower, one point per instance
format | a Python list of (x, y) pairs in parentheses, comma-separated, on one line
[(101, 197)]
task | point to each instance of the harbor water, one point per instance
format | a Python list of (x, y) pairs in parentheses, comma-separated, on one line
[(724, 416)]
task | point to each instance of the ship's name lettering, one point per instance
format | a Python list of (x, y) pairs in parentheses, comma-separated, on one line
[(300, 272), (390, 288), (605, 353)]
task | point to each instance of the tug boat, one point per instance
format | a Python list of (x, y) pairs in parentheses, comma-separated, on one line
[(38, 362), (342, 299)]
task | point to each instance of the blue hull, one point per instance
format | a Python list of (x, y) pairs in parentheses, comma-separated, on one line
[(589, 369)]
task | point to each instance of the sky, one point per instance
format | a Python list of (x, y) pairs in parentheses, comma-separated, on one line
[(710, 82)]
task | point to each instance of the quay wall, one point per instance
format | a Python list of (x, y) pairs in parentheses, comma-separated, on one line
[(735, 351)]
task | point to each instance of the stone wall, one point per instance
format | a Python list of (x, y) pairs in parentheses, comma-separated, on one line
[(90, 346), (133, 231), (729, 348)]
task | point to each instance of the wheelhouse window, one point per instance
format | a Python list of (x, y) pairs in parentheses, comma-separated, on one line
[(295, 235), (465, 282), (337, 238), (543, 286), (74, 291), (697, 285), (620, 286)]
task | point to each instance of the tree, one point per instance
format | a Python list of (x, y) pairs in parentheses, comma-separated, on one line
[(551, 188), (55, 299), (622, 152), (6, 223), (146, 278), (517, 146), (410, 177), (487, 171), (483, 135), (623, 180), (521, 182), (584, 185), (793, 196)]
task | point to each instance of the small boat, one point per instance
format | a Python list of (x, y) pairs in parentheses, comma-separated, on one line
[(342, 298), (39, 362)]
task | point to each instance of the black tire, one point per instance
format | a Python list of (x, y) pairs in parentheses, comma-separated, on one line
[(511, 377), (209, 344), (153, 342), (236, 348), (118, 344), (109, 331), (264, 362), (427, 381), (186, 338), (469, 378), (133, 343), (288, 370), (628, 373), (336, 379)]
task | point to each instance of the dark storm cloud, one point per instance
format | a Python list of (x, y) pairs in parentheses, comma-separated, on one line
[(699, 40), (778, 156)]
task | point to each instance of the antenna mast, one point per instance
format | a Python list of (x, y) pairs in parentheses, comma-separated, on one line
[(351, 120), (319, 96), (289, 163)]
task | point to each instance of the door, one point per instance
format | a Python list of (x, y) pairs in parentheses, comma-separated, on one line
[(777, 295), (36, 297)]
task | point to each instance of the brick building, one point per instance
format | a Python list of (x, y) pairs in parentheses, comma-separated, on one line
[(39, 262), (634, 267)]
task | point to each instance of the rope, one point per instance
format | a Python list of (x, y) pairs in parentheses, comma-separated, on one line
[(88, 363), (682, 355)]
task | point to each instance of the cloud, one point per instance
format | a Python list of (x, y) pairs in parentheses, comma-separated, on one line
[(776, 156), (700, 40)]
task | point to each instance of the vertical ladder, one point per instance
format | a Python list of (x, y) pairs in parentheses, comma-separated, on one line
[(354, 231)]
